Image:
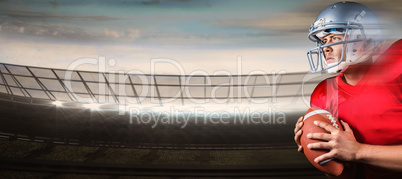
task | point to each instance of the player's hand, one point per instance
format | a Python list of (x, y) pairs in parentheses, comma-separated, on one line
[(341, 144), (298, 133)]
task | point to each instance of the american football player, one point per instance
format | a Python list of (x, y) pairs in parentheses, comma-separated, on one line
[(365, 94)]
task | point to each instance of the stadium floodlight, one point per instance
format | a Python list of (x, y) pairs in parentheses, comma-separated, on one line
[(57, 103), (93, 106)]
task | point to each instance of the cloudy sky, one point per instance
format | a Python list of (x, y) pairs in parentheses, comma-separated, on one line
[(207, 35)]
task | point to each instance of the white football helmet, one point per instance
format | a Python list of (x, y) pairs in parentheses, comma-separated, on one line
[(362, 35)]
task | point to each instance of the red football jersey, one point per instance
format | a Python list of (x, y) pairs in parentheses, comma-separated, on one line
[(373, 107)]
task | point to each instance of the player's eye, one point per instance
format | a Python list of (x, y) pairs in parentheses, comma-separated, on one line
[(336, 39)]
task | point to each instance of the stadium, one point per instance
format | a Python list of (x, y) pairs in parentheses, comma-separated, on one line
[(54, 124)]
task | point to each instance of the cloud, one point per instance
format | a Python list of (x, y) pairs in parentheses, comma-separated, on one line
[(128, 57), (43, 54), (150, 2), (48, 31), (133, 33), (111, 33), (54, 4), (43, 15), (154, 2), (284, 24), (13, 26), (21, 30), (41, 31), (180, 0), (295, 21)]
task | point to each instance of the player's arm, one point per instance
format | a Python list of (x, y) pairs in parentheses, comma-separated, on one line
[(343, 146), (389, 157)]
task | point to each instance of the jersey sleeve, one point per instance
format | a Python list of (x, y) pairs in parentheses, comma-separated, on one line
[(395, 53), (389, 67)]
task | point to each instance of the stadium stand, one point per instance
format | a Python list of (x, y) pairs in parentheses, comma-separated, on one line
[(59, 124)]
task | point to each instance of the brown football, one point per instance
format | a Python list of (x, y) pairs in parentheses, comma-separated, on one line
[(331, 166)]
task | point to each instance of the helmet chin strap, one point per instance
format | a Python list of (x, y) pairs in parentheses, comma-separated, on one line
[(337, 69)]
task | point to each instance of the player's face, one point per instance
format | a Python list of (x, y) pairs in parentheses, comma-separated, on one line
[(333, 53)]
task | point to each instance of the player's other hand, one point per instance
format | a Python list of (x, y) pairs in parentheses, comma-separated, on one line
[(298, 133), (342, 144)]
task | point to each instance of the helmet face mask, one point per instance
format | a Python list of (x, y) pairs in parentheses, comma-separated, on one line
[(316, 56), (361, 35)]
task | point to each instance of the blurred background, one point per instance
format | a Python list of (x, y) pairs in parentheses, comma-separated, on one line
[(202, 35), (240, 50)]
